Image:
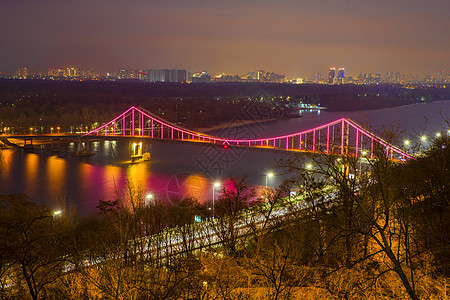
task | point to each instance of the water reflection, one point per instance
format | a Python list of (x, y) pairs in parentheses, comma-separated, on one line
[(56, 176), (6, 163), (138, 173), (187, 185), (31, 173)]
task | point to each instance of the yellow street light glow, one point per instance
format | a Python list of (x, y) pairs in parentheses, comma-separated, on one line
[(216, 184), (57, 212), (406, 142), (438, 134), (269, 174), (423, 138), (309, 166), (149, 196), (364, 153)]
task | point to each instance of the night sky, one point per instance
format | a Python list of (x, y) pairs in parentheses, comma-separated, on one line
[(295, 38)]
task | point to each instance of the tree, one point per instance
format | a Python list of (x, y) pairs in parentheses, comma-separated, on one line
[(229, 223), (372, 211), (34, 242)]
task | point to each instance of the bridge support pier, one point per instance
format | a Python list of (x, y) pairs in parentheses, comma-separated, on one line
[(56, 145), (83, 150), (28, 144)]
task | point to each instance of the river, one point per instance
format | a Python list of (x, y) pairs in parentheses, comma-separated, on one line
[(178, 170)]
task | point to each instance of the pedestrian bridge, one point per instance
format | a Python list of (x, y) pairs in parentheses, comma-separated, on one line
[(340, 137)]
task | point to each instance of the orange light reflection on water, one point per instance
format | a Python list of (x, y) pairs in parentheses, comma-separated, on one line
[(188, 185), (112, 178), (6, 161), (31, 172), (56, 176)]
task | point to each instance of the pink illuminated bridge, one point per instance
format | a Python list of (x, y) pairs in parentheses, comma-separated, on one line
[(340, 137)]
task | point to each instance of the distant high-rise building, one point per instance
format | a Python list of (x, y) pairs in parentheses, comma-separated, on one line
[(340, 78), (319, 77), (22, 73), (166, 75), (331, 75), (177, 75)]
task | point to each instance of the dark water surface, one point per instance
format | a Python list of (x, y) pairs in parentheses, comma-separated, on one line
[(176, 169)]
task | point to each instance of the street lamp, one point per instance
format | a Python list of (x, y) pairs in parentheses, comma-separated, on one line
[(364, 153), (148, 198), (215, 185), (57, 213), (31, 130), (267, 176)]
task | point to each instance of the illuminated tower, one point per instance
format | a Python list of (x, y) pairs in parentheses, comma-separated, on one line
[(331, 75), (340, 79)]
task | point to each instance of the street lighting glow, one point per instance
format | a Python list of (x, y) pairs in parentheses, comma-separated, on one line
[(406, 142), (267, 176), (438, 134), (309, 166), (57, 213), (423, 138), (215, 185), (364, 153), (148, 198)]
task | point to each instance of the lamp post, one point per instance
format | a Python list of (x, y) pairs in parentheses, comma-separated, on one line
[(215, 185), (267, 176), (148, 198), (423, 140), (364, 153)]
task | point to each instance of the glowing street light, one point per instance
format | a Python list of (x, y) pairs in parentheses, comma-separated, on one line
[(31, 130), (215, 185), (148, 198), (309, 166), (51, 130), (267, 176), (57, 213), (58, 128), (438, 134), (423, 138), (406, 142)]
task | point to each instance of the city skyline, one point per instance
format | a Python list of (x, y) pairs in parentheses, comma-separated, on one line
[(233, 37)]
